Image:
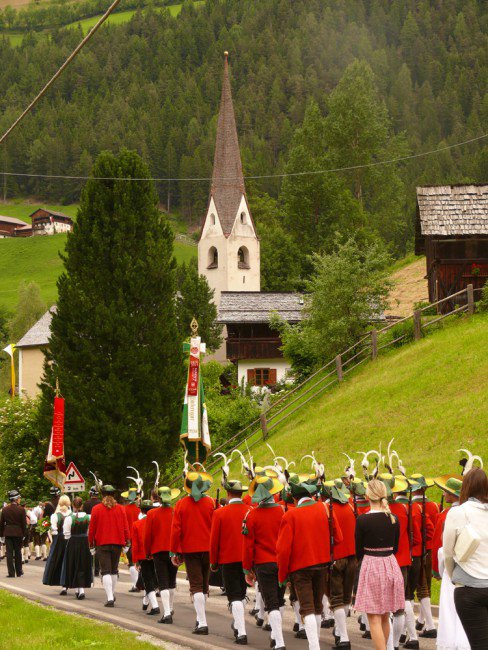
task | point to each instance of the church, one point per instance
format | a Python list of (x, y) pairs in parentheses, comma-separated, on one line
[(229, 257)]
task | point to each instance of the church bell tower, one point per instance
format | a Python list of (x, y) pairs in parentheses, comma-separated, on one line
[(228, 250)]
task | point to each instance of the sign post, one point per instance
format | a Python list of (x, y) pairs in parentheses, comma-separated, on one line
[(74, 480)]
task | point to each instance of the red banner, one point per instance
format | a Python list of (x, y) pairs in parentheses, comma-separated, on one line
[(57, 436), (193, 376)]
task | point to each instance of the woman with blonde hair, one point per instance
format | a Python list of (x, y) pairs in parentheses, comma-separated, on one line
[(380, 588), (54, 564)]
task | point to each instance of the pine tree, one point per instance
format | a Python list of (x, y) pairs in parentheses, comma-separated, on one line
[(115, 346)]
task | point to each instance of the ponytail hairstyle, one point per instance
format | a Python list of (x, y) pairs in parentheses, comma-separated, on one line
[(64, 504), (77, 504), (108, 501), (376, 493)]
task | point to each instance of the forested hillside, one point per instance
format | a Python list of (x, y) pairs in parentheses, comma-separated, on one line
[(301, 101)]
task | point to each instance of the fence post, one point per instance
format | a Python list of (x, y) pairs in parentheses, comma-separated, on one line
[(264, 425), (417, 324), (338, 361), (374, 344), (470, 299)]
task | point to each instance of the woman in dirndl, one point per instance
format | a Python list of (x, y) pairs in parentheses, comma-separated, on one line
[(77, 565), (54, 564), (380, 587)]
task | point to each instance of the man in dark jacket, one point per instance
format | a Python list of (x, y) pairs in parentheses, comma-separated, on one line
[(13, 526), (50, 506), (92, 501)]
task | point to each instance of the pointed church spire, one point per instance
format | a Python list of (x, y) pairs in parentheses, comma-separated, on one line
[(227, 180)]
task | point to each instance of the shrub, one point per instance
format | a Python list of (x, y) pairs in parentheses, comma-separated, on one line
[(482, 305), (431, 311), (404, 329)]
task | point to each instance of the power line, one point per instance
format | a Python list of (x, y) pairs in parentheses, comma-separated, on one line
[(60, 70), (255, 177)]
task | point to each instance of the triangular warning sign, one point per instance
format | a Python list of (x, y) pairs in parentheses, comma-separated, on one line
[(73, 475)]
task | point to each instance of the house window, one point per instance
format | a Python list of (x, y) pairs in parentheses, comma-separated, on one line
[(213, 258), (243, 258), (261, 376)]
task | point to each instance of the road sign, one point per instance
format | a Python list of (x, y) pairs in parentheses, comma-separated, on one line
[(74, 480)]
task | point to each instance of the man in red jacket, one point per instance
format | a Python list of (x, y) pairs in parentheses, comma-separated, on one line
[(190, 540), (260, 534), (343, 570), (157, 541), (132, 511), (302, 558), (226, 552), (108, 534), (141, 557), (423, 589), (451, 487)]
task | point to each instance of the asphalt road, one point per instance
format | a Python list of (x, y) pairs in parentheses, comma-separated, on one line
[(128, 614)]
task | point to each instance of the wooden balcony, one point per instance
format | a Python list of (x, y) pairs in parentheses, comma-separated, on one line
[(254, 348)]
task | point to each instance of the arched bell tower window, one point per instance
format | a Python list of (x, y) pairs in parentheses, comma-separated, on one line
[(243, 258), (213, 258), (212, 219), (243, 217)]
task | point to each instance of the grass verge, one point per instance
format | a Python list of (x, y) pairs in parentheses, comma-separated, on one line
[(28, 625)]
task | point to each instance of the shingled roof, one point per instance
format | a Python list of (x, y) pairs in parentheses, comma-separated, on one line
[(39, 334), (256, 306), (453, 210), (12, 220), (227, 180)]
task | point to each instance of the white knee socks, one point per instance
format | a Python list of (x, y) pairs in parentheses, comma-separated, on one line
[(107, 585), (145, 600), (238, 614), (398, 627), (199, 605), (37, 550), (276, 623), (426, 610), (410, 621), (44, 551), (298, 618), (340, 623), (153, 601), (311, 629), (172, 599), (389, 643), (318, 621), (165, 600), (134, 574), (327, 613), (259, 605)]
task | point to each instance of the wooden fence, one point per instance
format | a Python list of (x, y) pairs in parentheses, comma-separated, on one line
[(366, 348)]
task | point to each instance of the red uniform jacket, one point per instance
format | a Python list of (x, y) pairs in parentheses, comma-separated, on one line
[(158, 529), (304, 538), (437, 539), (347, 523), (108, 526), (259, 543), (132, 511), (226, 533), (417, 529), (139, 549), (190, 529), (403, 555)]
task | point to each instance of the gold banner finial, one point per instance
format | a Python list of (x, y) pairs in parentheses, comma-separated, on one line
[(194, 326)]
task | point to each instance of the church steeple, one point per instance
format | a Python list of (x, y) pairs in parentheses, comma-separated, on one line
[(228, 250), (227, 179)]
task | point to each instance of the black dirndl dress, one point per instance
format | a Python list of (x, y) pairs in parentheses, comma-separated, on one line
[(54, 564), (77, 568)]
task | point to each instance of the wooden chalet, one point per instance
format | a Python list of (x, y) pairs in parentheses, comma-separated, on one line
[(9, 226), (452, 231), (251, 344), (48, 222)]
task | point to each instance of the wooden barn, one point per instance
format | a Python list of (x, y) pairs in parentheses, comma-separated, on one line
[(48, 222), (9, 225), (452, 231)]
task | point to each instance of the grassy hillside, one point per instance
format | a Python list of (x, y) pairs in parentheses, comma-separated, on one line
[(430, 396), (118, 18), (37, 258)]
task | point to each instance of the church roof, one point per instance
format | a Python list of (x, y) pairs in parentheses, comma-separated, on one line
[(257, 306), (227, 180), (39, 333)]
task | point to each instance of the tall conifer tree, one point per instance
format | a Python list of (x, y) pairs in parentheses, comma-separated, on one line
[(115, 346)]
